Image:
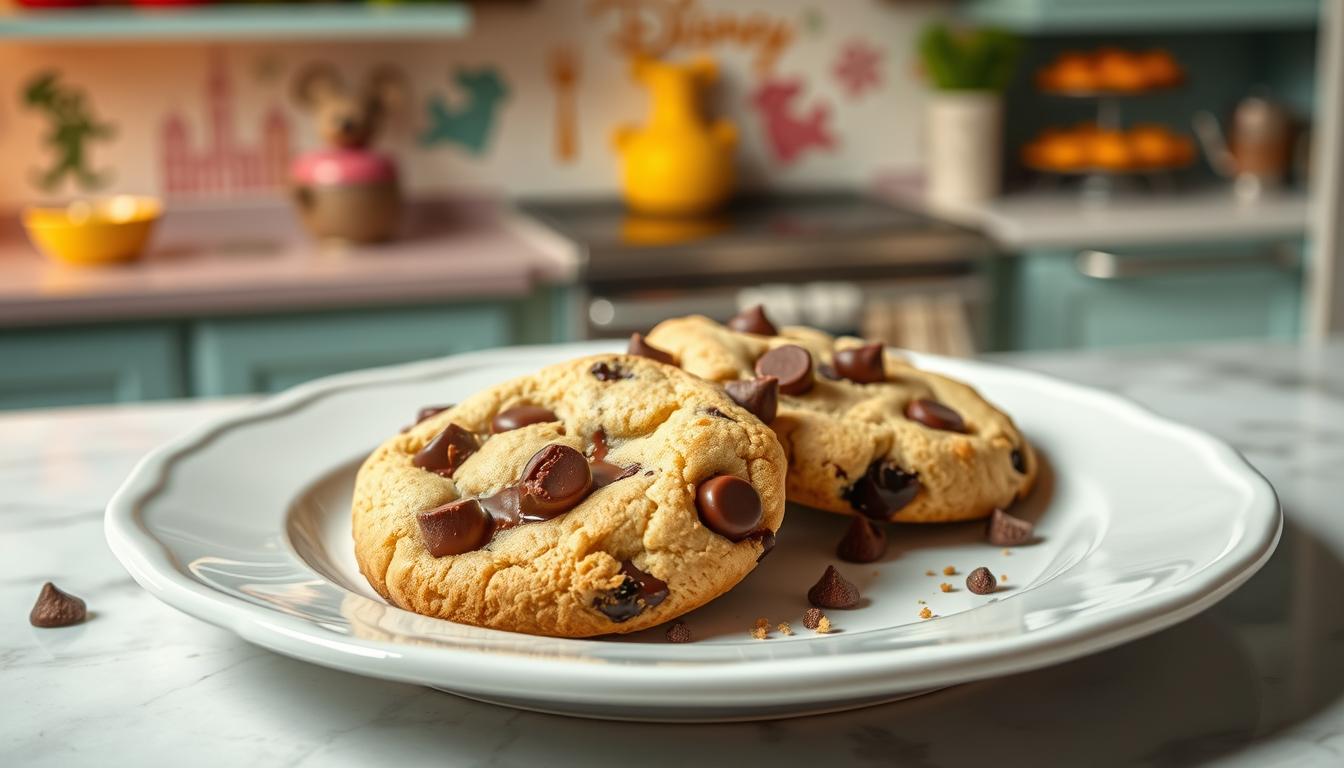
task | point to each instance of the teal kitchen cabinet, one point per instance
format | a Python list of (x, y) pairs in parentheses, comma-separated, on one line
[(1110, 17), (1059, 298), (267, 354), (99, 364)]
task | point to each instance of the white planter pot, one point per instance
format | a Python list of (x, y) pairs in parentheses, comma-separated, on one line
[(963, 139)]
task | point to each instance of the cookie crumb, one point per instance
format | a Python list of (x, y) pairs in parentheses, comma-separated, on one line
[(760, 633), (921, 602), (762, 623), (1003, 577), (929, 573), (678, 633), (824, 626), (1007, 553), (925, 613), (945, 587), (784, 628), (950, 570)]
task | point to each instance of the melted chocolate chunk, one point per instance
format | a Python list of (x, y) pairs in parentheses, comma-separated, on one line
[(729, 506), (934, 415), (456, 527), (827, 372), (430, 410), (760, 396), (833, 591), (555, 480), (505, 507), (1019, 461), (791, 364), (608, 372), (864, 542), (641, 348), (605, 473), (521, 416), (861, 364), (637, 593), (753, 320), (883, 490), (55, 608), (446, 452), (767, 539), (599, 445)]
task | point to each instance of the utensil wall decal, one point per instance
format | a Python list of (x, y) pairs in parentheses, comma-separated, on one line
[(564, 76), (858, 69), (470, 124), (788, 133), (72, 127)]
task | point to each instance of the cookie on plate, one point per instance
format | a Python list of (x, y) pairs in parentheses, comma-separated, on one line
[(864, 430), (601, 495)]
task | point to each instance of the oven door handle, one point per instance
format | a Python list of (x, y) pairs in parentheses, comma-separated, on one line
[(1105, 265)]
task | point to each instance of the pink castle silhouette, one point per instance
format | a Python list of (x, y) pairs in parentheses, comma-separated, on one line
[(223, 166)]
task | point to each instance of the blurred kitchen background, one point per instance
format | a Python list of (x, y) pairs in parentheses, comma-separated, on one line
[(217, 199)]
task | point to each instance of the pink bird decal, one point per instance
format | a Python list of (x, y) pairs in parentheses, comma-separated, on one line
[(789, 135)]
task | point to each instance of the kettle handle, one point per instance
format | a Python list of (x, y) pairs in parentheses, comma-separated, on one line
[(1214, 144)]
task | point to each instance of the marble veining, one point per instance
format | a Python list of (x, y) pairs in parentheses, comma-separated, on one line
[(1257, 680)]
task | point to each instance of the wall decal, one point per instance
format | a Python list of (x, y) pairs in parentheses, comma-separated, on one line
[(73, 126), (814, 22), (564, 77), (789, 134), (858, 69), (470, 124), (655, 28), (223, 165)]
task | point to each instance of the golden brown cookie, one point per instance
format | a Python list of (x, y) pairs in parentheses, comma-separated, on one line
[(602, 495), (863, 429)]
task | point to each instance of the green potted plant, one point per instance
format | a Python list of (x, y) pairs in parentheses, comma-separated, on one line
[(968, 70)]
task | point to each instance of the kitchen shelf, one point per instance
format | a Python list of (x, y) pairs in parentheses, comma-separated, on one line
[(1075, 16), (237, 22)]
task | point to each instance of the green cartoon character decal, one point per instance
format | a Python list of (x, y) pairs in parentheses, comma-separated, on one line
[(72, 127)]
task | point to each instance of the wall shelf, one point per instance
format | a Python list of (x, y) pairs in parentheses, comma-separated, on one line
[(237, 22), (1108, 16)]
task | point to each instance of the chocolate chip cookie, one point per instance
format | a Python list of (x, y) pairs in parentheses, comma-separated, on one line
[(602, 495), (864, 430)]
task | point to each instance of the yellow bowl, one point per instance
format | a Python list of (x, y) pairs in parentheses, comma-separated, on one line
[(90, 232)]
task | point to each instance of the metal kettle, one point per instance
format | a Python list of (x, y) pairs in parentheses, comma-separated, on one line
[(1256, 152)]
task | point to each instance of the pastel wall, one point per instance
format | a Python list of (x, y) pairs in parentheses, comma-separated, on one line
[(214, 122)]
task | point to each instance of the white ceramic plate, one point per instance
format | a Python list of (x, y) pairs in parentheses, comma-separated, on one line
[(1142, 523)]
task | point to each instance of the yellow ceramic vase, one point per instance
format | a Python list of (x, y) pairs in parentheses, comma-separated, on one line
[(678, 163)]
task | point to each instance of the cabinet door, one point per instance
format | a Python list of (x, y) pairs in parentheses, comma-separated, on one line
[(1097, 298), (268, 354), (77, 366)]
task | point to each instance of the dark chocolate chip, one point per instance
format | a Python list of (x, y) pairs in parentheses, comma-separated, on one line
[(1019, 460), (638, 591), (934, 415), (599, 445), (827, 372), (55, 608), (456, 527), (430, 410), (555, 479), (1004, 530), (833, 591), (862, 364), (981, 581), (521, 416), (641, 348), (729, 506), (791, 364), (864, 542), (716, 413), (446, 452), (679, 632), (605, 473), (753, 320), (505, 508), (608, 372), (760, 396), (883, 490), (767, 539), (812, 618)]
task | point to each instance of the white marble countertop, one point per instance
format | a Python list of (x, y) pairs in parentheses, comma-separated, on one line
[(1257, 680)]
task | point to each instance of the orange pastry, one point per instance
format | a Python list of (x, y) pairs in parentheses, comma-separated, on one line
[(1151, 145), (1110, 150), (1119, 70), (1159, 68)]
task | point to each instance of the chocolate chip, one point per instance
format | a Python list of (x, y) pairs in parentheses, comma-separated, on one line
[(555, 479), (521, 416), (981, 581), (679, 632), (608, 372), (1004, 530), (446, 452), (753, 320), (833, 591), (430, 410), (791, 364), (599, 445), (864, 542), (506, 508), (637, 592), (729, 506), (767, 539), (812, 618), (883, 490), (605, 473), (934, 415), (641, 348), (827, 372), (456, 527), (716, 413), (1019, 461), (862, 364), (760, 396), (55, 608)]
